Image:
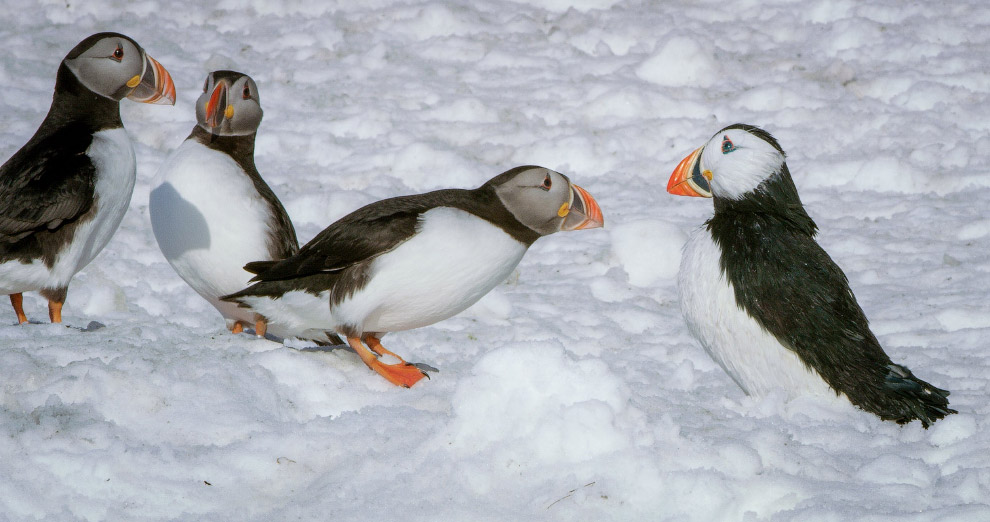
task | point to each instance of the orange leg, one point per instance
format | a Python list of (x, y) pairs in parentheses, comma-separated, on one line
[(237, 328), (376, 346), (260, 327), (55, 311), (401, 374), (17, 301)]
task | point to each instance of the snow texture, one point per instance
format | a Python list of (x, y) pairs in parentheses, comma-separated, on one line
[(573, 391)]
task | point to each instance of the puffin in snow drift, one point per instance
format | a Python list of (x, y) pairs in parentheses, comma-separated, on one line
[(410, 261), (211, 211), (766, 302), (63, 194)]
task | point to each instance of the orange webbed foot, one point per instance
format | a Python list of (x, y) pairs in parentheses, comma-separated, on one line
[(376, 346), (401, 374)]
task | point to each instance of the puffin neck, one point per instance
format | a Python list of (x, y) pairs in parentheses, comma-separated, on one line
[(491, 208), (482, 202), (74, 102), (240, 148), (775, 198)]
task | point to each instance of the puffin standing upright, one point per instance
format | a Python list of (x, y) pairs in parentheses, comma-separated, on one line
[(766, 301), (211, 211), (63, 194), (410, 261)]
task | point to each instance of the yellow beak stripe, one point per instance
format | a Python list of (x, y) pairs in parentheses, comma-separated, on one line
[(564, 210), (134, 81)]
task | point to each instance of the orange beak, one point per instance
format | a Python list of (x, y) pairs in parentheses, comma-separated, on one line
[(155, 86), (689, 180), (216, 107), (583, 211)]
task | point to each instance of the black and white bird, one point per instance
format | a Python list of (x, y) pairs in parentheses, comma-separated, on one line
[(766, 301), (410, 261), (211, 211), (63, 194)]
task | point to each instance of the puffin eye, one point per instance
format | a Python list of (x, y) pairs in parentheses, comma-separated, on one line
[(727, 145), (247, 92), (118, 53), (547, 183)]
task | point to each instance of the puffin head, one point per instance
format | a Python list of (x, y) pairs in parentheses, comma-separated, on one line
[(742, 168), (116, 67), (230, 104), (737, 161), (546, 201)]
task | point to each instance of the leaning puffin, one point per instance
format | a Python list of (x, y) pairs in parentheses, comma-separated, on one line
[(211, 211), (63, 194), (410, 261), (763, 298)]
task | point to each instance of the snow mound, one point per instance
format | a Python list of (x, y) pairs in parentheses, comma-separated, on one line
[(534, 417), (681, 61), (648, 250)]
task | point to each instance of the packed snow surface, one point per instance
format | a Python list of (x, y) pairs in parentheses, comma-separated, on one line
[(573, 391)]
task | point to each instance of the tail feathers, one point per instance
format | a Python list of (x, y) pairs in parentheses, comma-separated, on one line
[(332, 340), (914, 398), (257, 267), (257, 289), (235, 297)]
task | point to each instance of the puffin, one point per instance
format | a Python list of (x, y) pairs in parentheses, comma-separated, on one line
[(410, 261), (767, 302), (63, 194), (211, 211)]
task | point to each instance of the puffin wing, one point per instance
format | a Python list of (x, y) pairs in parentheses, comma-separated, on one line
[(803, 298), (364, 234), (48, 182), (794, 290), (282, 241)]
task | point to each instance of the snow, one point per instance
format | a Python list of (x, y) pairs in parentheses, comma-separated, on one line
[(648, 250), (680, 62), (573, 391)]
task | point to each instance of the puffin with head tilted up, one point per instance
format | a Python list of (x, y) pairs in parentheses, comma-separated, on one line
[(410, 261), (766, 301), (211, 211), (64, 193)]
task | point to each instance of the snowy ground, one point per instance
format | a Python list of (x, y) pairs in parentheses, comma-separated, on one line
[(574, 391)]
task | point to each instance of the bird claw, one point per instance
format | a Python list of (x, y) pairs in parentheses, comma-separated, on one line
[(401, 374)]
